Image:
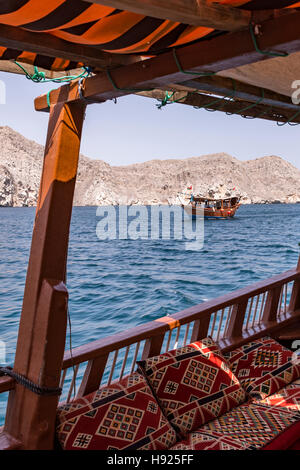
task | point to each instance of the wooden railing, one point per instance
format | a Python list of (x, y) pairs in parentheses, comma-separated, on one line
[(263, 308), (233, 319)]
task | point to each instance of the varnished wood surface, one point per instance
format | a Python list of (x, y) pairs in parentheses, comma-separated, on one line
[(220, 53), (193, 12)]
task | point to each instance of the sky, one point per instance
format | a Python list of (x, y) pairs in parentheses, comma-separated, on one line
[(135, 130)]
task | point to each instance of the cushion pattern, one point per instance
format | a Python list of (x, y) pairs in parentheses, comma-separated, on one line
[(124, 415), (288, 397), (249, 426), (263, 366), (193, 384)]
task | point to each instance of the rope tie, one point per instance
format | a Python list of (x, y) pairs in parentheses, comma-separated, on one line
[(81, 93), (129, 90), (40, 77), (198, 74), (22, 380), (269, 53), (166, 100)]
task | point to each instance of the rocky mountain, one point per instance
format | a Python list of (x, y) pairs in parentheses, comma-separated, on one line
[(263, 180)]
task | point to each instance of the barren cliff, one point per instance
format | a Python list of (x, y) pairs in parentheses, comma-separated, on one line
[(266, 179)]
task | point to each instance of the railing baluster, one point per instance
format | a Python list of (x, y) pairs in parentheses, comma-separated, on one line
[(295, 294), (177, 337), (113, 367), (186, 334), (229, 312), (213, 323), (280, 301), (285, 297), (135, 357), (262, 306), (249, 313), (169, 340), (62, 378), (73, 381), (220, 323), (124, 362), (255, 310)]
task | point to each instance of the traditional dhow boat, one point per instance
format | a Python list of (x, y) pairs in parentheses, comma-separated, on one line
[(206, 55), (212, 208)]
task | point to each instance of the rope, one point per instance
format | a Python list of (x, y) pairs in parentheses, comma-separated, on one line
[(166, 100), (250, 106), (169, 95), (22, 380), (289, 120), (40, 77), (198, 74), (269, 53), (218, 100), (81, 93), (48, 98), (71, 351), (129, 90)]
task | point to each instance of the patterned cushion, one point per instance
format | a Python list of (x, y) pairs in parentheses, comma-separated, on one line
[(193, 384), (249, 426), (122, 416), (263, 366), (288, 397)]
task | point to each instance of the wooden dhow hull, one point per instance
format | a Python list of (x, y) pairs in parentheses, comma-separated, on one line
[(210, 213)]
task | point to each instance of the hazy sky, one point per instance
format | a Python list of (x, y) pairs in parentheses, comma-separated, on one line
[(134, 130)]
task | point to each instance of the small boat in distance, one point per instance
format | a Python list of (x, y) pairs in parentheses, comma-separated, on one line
[(213, 208)]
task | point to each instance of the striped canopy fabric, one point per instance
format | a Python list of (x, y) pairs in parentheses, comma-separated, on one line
[(106, 28)]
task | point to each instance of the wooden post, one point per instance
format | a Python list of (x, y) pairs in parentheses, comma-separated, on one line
[(39, 354), (271, 305), (295, 295), (235, 326), (153, 346), (200, 329), (92, 375)]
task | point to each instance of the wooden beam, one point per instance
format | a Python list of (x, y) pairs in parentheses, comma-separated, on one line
[(240, 107), (51, 46), (192, 12), (225, 86), (43, 320), (221, 53)]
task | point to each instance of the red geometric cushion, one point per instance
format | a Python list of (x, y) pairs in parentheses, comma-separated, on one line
[(263, 366), (193, 384), (250, 426), (124, 415), (287, 398)]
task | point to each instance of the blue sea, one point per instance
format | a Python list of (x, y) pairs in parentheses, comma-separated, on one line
[(118, 284)]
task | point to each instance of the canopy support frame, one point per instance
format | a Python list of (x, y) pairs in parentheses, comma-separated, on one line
[(30, 418)]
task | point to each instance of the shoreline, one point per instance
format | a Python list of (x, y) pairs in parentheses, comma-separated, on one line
[(163, 204)]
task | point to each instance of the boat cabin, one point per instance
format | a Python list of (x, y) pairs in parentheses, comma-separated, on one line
[(212, 208)]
